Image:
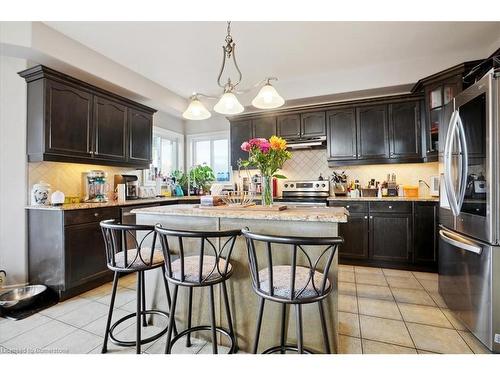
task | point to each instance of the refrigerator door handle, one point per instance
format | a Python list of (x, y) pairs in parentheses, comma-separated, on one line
[(459, 242), (464, 167), (448, 184)]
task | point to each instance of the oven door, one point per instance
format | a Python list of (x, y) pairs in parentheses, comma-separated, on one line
[(474, 128)]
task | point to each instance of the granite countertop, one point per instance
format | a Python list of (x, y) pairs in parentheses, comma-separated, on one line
[(388, 199), (83, 206), (311, 214)]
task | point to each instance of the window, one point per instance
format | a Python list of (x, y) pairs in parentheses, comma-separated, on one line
[(167, 153), (211, 149)]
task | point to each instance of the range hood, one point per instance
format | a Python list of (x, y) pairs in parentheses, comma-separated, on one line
[(305, 143)]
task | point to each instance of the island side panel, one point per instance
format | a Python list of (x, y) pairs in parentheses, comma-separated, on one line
[(242, 297), (244, 302)]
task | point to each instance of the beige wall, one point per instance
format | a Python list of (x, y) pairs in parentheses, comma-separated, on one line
[(12, 169), (308, 164), (67, 177)]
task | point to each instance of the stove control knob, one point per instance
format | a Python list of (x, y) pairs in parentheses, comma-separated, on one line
[(291, 185), (286, 185), (323, 185), (317, 185)]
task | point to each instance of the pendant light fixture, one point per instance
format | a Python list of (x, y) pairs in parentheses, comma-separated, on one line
[(228, 103), (196, 110), (268, 97)]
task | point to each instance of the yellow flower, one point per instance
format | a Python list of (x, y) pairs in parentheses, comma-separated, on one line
[(277, 143)]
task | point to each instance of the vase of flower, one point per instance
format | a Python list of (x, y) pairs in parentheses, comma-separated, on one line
[(267, 190), (268, 155)]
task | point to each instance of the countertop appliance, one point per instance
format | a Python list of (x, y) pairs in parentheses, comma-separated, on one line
[(131, 185), (469, 214), (94, 186), (434, 186), (305, 192)]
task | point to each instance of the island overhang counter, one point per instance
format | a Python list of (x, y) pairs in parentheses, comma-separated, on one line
[(301, 221)]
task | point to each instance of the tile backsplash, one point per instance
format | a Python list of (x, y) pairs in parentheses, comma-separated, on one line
[(67, 177), (308, 164)]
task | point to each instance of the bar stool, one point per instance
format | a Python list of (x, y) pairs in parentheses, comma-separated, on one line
[(290, 284), (124, 255), (206, 266)]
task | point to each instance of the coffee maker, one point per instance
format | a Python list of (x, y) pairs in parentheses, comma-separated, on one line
[(131, 183), (94, 186)]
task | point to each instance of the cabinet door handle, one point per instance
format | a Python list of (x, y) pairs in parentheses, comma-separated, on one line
[(371, 217), (390, 207), (96, 214), (347, 206), (353, 155), (366, 217)]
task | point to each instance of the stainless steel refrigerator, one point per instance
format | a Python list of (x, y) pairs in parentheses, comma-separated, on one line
[(469, 215)]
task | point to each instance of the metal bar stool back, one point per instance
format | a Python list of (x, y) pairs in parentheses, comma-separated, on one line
[(198, 259), (126, 253), (301, 280)]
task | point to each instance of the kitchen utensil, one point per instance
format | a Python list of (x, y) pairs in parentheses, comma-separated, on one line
[(21, 297), (238, 198)]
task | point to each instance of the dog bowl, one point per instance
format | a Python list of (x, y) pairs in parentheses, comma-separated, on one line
[(19, 298)]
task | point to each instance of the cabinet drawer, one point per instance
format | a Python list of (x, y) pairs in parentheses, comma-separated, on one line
[(90, 215), (399, 207), (350, 206)]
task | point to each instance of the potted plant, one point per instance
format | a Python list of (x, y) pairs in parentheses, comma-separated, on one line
[(201, 177), (268, 156)]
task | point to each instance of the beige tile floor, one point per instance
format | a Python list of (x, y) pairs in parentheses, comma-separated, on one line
[(383, 311), (380, 311)]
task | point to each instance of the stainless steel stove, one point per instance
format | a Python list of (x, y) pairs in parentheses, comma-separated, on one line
[(305, 192)]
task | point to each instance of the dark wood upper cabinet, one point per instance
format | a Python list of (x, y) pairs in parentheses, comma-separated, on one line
[(313, 124), (341, 134), (68, 120), (289, 126), (439, 89), (140, 126), (240, 131), (264, 127), (110, 124), (372, 132), (404, 130), (72, 121)]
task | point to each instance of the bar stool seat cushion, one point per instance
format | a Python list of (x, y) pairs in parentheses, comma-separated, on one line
[(282, 278), (192, 269), (138, 261)]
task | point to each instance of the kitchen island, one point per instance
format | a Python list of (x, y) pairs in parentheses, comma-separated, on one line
[(314, 222)]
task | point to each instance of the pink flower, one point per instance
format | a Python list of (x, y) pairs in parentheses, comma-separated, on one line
[(265, 146), (245, 146)]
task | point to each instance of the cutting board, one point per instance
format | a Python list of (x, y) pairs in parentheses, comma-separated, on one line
[(251, 207)]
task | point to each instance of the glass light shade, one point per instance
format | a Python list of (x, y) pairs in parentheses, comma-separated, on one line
[(196, 111), (228, 104), (268, 98)]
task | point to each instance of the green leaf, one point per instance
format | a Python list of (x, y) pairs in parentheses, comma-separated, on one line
[(280, 176)]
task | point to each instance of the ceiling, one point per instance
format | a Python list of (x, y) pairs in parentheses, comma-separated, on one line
[(310, 58)]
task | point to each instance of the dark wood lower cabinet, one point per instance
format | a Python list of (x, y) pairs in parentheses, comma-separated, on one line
[(66, 250), (424, 223), (87, 259), (390, 234), (390, 237), (355, 235)]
